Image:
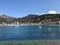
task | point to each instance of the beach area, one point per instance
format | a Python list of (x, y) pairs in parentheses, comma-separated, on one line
[(31, 42)]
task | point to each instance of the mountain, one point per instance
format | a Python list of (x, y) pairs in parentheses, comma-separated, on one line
[(31, 18), (37, 18), (49, 16), (5, 18), (27, 18)]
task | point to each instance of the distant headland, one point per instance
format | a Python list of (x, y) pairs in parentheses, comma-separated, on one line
[(31, 19)]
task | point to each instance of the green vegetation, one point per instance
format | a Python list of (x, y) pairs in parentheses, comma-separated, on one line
[(31, 18)]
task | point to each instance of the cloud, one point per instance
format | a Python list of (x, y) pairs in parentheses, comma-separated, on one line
[(52, 12)]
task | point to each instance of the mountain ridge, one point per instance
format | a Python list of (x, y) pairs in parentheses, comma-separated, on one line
[(31, 18)]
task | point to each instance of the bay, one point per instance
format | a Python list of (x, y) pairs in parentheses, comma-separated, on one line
[(32, 32)]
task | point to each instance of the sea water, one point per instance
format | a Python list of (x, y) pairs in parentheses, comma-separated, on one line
[(32, 32)]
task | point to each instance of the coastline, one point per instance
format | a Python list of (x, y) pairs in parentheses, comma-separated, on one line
[(29, 24)]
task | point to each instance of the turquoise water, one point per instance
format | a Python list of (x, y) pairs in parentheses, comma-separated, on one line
[(29, 32)]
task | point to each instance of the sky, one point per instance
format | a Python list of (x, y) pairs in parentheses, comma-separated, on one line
[(21, 8)]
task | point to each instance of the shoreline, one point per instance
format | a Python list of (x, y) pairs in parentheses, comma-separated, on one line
[(29, 24)]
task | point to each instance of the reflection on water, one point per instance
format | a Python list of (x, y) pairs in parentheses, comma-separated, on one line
[(49, 29), (40, 27), (29, 32)]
